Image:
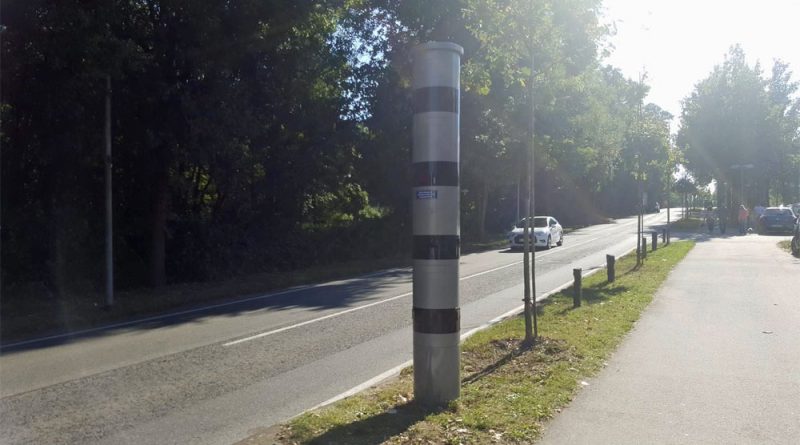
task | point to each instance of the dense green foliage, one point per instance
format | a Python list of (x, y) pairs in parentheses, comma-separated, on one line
[(735, 117), (267, 135)]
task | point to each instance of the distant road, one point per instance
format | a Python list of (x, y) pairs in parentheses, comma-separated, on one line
[(210, 376)]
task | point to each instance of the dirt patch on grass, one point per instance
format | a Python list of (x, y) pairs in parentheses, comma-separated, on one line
[(510, 357)]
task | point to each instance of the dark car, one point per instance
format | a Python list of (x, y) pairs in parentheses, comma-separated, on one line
[(777, 220)]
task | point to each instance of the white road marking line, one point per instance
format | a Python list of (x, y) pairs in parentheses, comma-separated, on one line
[(347, 311), (336, 314), (357, 308), (358, 388), (397, 369), (245, 300)]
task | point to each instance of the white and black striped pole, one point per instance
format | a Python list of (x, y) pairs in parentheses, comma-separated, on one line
[(436, 215)]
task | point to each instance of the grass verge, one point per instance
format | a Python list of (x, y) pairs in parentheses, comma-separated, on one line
[(507, 392), (785, 245)]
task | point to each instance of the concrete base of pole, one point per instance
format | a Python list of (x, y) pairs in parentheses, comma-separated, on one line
[(437, 377)]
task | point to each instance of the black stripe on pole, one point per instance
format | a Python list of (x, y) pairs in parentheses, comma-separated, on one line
[(436, 99), (437, 321), (437, 247), (440, 173)]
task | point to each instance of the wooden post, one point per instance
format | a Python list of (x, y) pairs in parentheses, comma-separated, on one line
[(654, 240), (578, 285), (644, 247), (610, 264)]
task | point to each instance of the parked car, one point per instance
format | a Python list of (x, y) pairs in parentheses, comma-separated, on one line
[(777, 220), (546, 232)]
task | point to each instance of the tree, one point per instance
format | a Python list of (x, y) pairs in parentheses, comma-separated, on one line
[(230, 128), (734, 117), (783, 144), (255, 135), (685, 187)]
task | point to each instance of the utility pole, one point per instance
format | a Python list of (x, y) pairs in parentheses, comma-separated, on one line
[(638, 174), (109, 208), (531, 140), (436, 214), (639, 217), (669, 196)]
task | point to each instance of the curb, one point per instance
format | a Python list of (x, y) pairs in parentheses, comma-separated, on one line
[(393, 372)]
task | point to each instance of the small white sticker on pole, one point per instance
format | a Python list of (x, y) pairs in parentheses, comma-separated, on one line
[(427, 194)]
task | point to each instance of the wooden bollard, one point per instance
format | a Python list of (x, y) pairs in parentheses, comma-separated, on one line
[(610, 263), (655, 241), (644, 247), (578, 286), (664, 236)]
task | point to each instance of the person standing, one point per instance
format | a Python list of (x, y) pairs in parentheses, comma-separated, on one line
[(744, 214), (710, 219)]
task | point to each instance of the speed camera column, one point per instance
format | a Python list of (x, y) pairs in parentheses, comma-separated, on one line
[(436, 228)]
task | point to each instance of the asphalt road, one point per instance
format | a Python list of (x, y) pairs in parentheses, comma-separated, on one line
[(212, 376)]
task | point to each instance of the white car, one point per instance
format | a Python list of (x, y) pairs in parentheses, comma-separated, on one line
[(546, 231)]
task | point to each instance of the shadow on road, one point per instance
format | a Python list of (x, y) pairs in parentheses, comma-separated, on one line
[(338, 294)]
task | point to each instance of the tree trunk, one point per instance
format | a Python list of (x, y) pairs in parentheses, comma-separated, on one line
[(158, 246), (51, 188), (685, 205), (483, 201), (545, 201)]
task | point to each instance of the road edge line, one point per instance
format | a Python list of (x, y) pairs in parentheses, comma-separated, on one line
[(386, 375), (83, 332)]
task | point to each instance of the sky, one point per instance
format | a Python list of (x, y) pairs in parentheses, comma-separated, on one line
[(678, 42)]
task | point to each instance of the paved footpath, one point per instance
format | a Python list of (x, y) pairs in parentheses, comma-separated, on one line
[(715, 359)]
